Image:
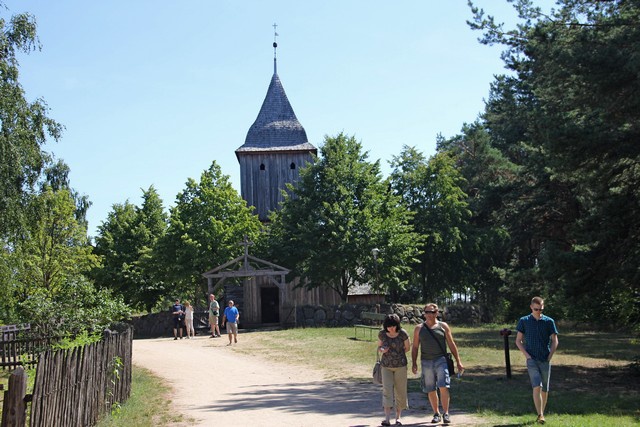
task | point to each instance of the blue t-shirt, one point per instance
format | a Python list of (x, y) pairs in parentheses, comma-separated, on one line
[(537, 334), (231, 313), (176, 308)]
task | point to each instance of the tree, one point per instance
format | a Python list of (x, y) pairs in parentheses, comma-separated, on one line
[(24, 125), (206, 225), (125, 242), (576, 84), (432, 191), (337, 213), (45, 271)]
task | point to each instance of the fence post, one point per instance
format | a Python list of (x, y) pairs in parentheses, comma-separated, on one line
[(505, 333), (14, 410)]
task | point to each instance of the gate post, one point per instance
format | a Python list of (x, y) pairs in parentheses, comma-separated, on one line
[(14, 412)]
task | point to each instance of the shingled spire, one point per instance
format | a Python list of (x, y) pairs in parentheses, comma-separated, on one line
[(275, 148), (276, 126)]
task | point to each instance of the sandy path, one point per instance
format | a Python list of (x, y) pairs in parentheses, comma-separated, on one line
[(216, 385)]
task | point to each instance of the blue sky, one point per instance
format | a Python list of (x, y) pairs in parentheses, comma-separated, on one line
[(152, 91)]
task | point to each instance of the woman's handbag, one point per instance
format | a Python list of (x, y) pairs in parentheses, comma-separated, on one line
[(450, 365), (377, 370)]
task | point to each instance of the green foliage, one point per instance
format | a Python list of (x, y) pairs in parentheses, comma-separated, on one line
[(24, 125), (114, 377), (564, 128), (206, 224), (80, 340), (337, 213), (125, 242), (75, 307), (432, 190)]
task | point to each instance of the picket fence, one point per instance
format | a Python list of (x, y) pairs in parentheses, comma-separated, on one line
[(74, 387)]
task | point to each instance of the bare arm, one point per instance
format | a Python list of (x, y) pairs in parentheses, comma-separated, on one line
[(520, 345), (414, 348), (407, 344), (554, 345), (452, 345)]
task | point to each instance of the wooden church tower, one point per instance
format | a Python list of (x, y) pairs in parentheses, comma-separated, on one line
[(274, 150)]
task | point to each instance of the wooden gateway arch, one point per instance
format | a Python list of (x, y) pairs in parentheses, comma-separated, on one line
[(263, 298)]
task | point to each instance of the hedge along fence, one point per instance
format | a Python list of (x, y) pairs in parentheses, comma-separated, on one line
[(74, 387)]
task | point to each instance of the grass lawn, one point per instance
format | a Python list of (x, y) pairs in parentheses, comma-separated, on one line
[(591, 381), (148, 406)]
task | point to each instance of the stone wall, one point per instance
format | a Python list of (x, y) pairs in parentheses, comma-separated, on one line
[(349, 314), (161, 324)]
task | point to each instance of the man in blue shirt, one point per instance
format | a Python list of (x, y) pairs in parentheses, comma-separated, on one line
[(231, 317), (541, 336), (178, 316)]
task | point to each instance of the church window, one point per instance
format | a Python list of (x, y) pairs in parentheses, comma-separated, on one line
[(262, 167), (292, 165)]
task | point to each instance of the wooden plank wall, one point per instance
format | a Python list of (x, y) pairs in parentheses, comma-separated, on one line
[(262, 188)]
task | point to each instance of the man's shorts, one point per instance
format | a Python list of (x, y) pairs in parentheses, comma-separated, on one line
[(213, 320), (177, 322), (232, 328), (435, 374), (539, 373)]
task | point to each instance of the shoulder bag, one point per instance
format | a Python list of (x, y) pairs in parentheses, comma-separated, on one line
[(377, 370)]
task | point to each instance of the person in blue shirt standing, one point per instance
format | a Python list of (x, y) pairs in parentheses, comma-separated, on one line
[(537, 339), (231, 317), (177, 311)]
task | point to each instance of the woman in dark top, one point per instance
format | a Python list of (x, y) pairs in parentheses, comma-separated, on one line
[(393, 343)]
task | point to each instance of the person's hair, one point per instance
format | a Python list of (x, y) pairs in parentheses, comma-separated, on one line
[(431, 304), (187, 303), (230, 302), (391, 320), (537, 300)]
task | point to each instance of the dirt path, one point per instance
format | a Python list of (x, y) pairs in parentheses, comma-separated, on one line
[(216, 385)]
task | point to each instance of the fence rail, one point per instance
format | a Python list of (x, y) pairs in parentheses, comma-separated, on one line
[(22, 351)]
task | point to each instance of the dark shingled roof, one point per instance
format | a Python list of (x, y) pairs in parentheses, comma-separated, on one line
[(276, 128)]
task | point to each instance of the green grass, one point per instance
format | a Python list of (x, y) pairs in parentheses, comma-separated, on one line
[(591, 381), (148, 406)]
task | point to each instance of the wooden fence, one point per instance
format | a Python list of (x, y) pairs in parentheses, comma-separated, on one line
[(74, 387), (22, 351)]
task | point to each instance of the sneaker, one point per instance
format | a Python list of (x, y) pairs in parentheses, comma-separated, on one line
[(446, 419), (540, 419), (436, 419)]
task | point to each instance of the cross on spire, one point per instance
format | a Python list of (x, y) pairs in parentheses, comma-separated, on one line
[(275, 45)]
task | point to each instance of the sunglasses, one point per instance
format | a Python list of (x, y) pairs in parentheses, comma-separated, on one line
[(431, 312), (538, 309)]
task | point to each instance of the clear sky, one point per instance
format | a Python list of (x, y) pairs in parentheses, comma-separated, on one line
[(152, 91)]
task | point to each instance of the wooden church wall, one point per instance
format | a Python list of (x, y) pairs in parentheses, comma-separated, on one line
[(257, 291), (261, 188)]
